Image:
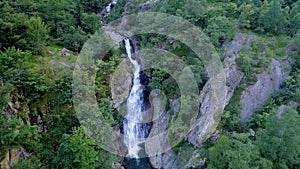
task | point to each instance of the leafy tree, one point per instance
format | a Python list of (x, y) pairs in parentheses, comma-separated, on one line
[(247, 12), (295, 17), (11, 68), (74, 38), (297, 40), (219, 29), (289, 2), (236, 153), (194, 10), (279, 141), (94, 6), (12, 27), (76, 150), (274, 19), (90, 22), (56, 17), (37, 33)]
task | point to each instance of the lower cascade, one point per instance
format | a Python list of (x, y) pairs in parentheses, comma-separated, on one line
[(135, 131)]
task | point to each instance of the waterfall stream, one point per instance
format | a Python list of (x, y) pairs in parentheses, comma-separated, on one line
[(134, 130)]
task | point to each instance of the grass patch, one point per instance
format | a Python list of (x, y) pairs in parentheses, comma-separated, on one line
[(53, 46)]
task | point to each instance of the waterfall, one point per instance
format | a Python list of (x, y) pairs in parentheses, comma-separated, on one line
[(134, 130)]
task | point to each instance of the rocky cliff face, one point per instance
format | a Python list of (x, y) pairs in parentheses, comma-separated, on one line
[(267, 83), (233, 78)]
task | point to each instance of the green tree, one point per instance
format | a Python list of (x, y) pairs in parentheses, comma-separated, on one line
[(297, 40), (90, 22), (37, 33), (274, 19), (295, 17), (247, 12), (94, 6), (74, 38), (279, 142), (236, 152), (56, 14), (12, 27), (76, 150), (12, 69), (194, 10), (219, 29)]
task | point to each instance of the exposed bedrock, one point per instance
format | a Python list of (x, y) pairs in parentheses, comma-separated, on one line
[(267, 82)]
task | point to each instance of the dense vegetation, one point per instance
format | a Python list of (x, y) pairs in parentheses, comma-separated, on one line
[(36, 79)]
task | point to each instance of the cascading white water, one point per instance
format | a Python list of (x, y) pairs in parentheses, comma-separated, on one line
[(134, 131)]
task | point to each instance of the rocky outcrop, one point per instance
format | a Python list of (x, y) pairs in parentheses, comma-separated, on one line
[(120, 83), (233, 78), (159, 150), (67, 64), (12, 157), (267, 83), (230, 53), (194, 162)]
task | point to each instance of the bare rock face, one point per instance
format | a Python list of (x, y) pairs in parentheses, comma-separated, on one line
[(230, 52), (268, 82), (159, 150), (233, 78), (120, 84)]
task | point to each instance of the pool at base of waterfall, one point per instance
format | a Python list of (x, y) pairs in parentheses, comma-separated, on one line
[(137, 163)]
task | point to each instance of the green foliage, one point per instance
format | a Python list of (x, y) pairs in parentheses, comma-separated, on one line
[(37, 33), (31, 163), (273, 18), (253, 60), (235, 153), (106, 68), (76, 150), (219, 29), (279, 141), (90, 22), (11, 68), (297, 41), (14, 134), (94, 6), (12, 27), (110, 115), (74, 38), (247, 13), (193, 10)]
